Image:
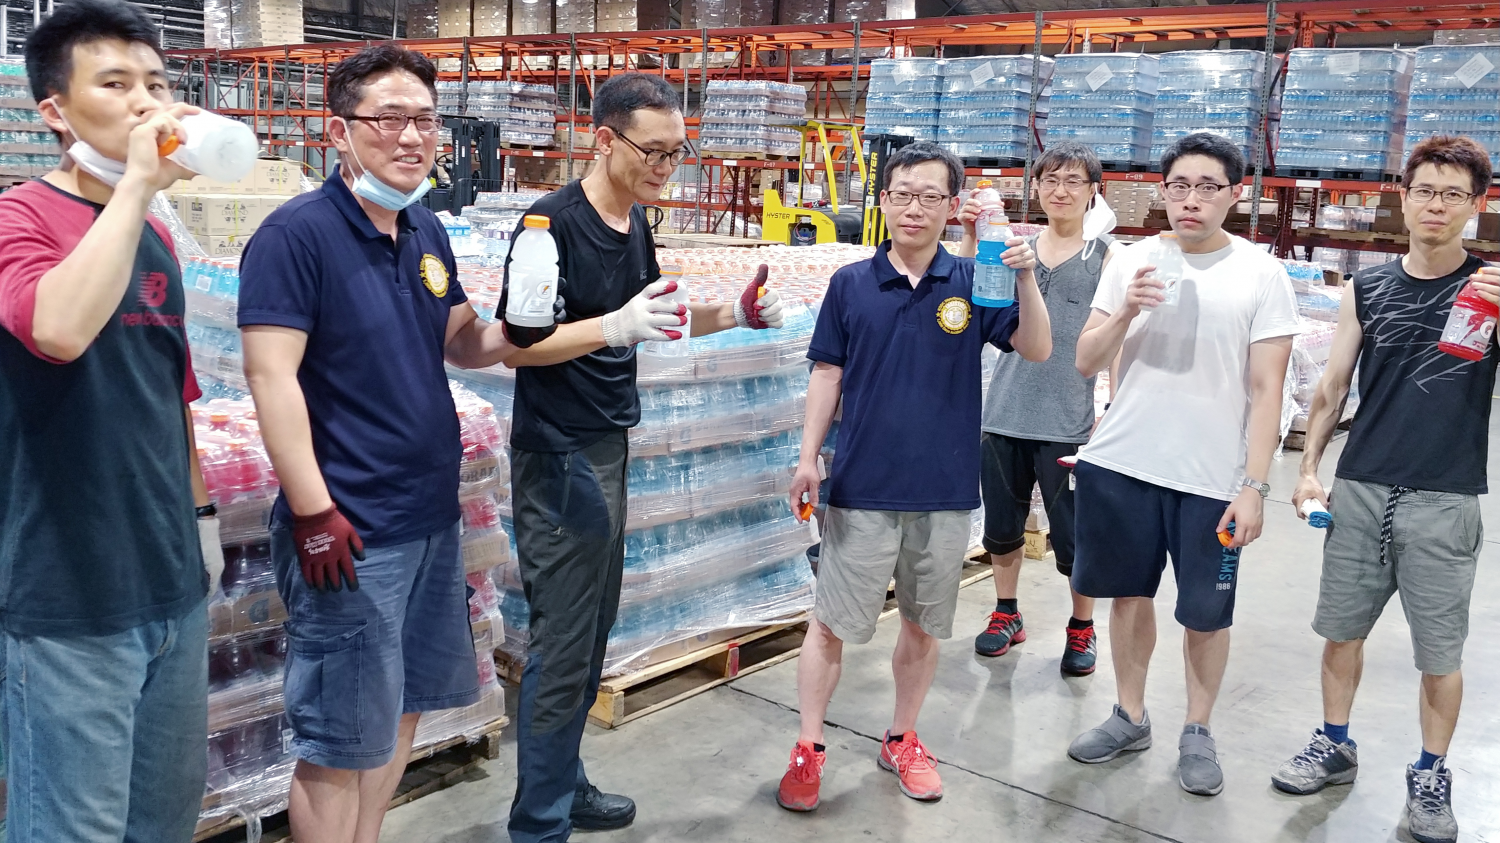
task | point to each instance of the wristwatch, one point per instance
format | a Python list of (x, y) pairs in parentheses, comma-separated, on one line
[(1263, 488), (209, 510)]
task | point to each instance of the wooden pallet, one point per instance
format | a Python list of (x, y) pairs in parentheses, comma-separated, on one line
[(640, 692), (430, 769), (1038, 545), (680, 671)]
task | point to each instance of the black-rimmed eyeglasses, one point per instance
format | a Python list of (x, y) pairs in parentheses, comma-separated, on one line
[(656, 157)]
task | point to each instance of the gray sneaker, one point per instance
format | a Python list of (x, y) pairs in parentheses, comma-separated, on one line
[(1198, 768), (1114, 736), (1429, 804), (1320, 764)]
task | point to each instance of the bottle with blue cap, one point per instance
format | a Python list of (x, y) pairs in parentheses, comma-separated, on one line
[(1316, 514)]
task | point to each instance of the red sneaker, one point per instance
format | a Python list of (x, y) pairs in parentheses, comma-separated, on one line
[(799, 787), (914, 765)]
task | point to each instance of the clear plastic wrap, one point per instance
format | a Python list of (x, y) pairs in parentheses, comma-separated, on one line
[(234, 24), (749, 116), (422, 20)]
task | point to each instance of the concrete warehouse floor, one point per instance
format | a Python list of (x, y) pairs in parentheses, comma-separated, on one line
[(707, 770)]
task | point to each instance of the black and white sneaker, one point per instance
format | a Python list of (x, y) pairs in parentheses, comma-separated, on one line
[(1429, 804), (1320, 764)]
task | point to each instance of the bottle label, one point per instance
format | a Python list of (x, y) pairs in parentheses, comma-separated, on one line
[(1468, 328)]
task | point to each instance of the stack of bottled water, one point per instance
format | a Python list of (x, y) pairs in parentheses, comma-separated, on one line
[(905, 98), (1344, 109), (1106, 101), (710, 541), (249, 761), (488, 100), (449, 97), (530, 116), (986, 105), (752, 116), (1215, 91), (1455, 90)]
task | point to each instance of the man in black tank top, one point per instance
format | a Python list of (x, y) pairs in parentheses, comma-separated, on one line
[(1404, 506)]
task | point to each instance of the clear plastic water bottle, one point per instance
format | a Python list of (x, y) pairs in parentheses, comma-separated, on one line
[(994, 282), (678, 347), (533, 282), (218, 147), (1170, 265), (989, 200)]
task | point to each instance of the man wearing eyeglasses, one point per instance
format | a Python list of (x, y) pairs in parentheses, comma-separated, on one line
[(1405, 500), (575, 401), (349, 306), (897, 334), (1183, 453)]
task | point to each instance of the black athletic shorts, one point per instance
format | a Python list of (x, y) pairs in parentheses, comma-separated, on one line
[(1126, 530), (1008, 469)]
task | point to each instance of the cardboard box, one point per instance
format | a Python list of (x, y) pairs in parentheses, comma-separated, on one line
[(1489, 227), (277, 176), (223, 246), (220, 214), (1389, 220)]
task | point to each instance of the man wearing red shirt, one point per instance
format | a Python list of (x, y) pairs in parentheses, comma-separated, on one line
[(103, 624)]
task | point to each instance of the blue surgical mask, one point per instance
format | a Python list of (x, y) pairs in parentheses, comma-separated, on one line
[(366, 186)]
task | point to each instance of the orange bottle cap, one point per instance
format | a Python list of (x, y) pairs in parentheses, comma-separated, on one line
[(537, 221)]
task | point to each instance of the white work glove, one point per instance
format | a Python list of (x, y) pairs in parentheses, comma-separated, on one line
[(645, 317), (213, 552), (758, 306)]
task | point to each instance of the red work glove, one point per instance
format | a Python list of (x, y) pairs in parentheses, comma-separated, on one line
[(327, 547), (758, 307)]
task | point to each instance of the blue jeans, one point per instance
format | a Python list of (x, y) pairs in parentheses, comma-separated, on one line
[(358, 660), (106, 736)]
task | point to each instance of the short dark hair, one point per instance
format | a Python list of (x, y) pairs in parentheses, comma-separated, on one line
[(622, 96), (920, 153), (1451, 151), (346, 84), (49, 48), (1209, 146), (1066, 154)]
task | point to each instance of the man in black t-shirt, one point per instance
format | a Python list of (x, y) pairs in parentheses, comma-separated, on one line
[(1404, 506), (575, 400)]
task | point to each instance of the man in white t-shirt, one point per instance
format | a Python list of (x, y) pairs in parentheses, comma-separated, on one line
[(1178, 465)]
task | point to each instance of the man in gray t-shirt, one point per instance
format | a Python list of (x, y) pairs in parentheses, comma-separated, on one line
[(1038, 413)]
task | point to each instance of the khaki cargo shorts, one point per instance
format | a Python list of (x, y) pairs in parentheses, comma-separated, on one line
[(863, 548)]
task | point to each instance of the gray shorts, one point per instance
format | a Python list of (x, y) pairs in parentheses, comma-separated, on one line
[(863, 548), (1434, 551)]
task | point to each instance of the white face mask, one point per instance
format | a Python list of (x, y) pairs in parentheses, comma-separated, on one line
[(91, 160), (367, 186), (1098, 221)]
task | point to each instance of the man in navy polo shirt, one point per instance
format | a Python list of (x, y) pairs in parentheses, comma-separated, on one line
[(349, 307), (896, 332)]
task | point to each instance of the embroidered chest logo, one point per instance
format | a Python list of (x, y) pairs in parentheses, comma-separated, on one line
[(953, 315), (434, 275), (153, 289)]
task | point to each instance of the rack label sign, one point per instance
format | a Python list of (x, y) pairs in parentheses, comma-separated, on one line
[(1098, 76), (982, 74), (1343, 64), (1474, 70)]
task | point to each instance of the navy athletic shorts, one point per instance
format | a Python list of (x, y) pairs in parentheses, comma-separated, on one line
[(1126, 530)]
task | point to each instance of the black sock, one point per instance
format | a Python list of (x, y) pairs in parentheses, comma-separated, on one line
[(889, 738), (817, 747), (1074, 623), (1007, 606)]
